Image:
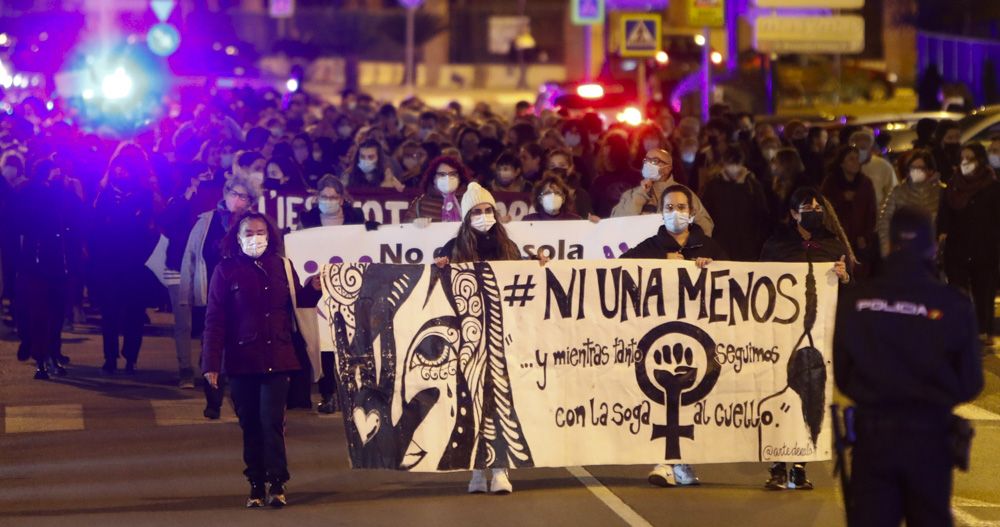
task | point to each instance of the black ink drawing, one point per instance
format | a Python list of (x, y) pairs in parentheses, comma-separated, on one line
[(456, 360), (675, 381), (806, 371)]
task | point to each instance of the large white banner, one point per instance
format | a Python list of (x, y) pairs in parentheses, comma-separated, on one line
[(511, 364), (310, 249)]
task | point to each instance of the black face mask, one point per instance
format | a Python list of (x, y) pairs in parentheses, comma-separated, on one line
[(811, 221)]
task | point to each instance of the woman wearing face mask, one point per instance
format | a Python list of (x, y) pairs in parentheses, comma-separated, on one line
[(852, 195), (645, 198), (738, 206), (283, 175), (947, 149), (248, 338), (480, 238), (443, 184), (679, 238), (787, 176), (332, 206), (561, 161), (507, 170), (648, 137), (814, 235), (412, 156), (302, 152), (921, 189), (369, 169), (578, 142), (202, 254), (553, 200), (967, 228)]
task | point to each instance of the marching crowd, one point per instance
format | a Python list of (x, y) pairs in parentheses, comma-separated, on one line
[(83, 214)]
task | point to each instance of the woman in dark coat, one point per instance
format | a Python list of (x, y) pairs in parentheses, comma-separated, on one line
[(967, 226), (679, 238), (852, 195), (813, 235), (248, 337)]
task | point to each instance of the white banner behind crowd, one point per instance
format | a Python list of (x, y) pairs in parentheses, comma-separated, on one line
[(310, 249), (511, 364)]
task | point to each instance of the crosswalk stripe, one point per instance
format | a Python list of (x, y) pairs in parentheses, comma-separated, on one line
[(43, 418), (187, 412), (975, 413)]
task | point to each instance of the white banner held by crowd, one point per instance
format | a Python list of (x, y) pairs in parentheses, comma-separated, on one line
[(511, 364)]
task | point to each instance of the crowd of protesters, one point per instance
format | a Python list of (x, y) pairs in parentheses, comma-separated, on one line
[(82, 214)]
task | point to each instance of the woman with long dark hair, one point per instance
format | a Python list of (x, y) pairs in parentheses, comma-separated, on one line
[(967, 228), (248, 337)]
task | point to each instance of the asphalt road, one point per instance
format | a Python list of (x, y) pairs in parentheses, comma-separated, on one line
[(135, 451)]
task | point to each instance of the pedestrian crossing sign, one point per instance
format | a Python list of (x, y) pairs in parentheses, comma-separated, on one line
[(640, 35)]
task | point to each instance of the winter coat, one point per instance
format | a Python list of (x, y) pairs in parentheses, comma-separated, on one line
[(564, 214), (698, 245), (634, 202), (854, 203), (740, 214), (925, 196), (787, 245), (195, 268), (249, 320), (972, 231), (311, 218), (48, 226), (123, 236)]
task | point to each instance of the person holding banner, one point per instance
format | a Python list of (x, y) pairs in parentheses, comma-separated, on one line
[(481, 238), (809, 238), (550, 198), (679, 238), (647, 197), (248, 337)]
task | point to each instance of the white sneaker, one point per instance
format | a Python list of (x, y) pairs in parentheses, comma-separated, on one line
[(477, 485), (501, 482), (662, 476), (684, 475)]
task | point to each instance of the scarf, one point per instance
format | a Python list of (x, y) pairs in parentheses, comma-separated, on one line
[(962, 188), (450, 209)]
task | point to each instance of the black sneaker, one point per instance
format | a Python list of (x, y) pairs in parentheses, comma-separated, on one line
[(797, 478), (257, 495), (212, 413), (57, 369), (778, 479), (129, 368), (276, 495), (41, 374), (62, 359), (327, 406), (110, 367)]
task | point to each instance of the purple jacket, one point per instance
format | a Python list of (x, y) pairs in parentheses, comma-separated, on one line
[(248, 325)]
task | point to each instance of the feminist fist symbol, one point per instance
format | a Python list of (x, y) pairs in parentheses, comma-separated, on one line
[(674, 375)]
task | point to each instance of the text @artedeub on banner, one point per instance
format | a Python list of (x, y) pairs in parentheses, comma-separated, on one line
[(512, 364)]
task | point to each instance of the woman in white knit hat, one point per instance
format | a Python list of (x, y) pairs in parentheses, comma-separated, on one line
[(480, 238)]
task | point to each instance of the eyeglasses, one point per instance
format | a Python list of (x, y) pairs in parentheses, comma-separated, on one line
[(811, 209), (239, 195), (655, 161), (446, 174)]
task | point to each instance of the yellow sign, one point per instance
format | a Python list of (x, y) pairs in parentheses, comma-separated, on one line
[(641, 35), (706, 13)]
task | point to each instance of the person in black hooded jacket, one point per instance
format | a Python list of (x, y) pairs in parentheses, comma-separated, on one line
[(679, 238)]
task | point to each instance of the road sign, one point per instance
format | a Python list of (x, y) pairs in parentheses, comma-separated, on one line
[(586, 12), (821, 4), (163, 39), (641, 35), (706, 13), (809, 34), (162, 8)]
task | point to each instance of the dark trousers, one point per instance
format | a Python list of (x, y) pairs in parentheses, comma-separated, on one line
[(122, 314), (41, 302), (327, 384), (981, 282), (259, 401), (900, 472)]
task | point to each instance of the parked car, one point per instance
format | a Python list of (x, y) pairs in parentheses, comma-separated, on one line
[(979, 126)]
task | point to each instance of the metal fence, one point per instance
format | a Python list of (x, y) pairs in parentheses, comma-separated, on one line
[(973, 62)]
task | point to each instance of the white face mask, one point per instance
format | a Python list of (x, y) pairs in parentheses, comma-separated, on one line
[(329, 207), (734, 171), (863, 154), (301, 154), (366, 165), (650, 171), (227, 161), (688, 157), (9, 173), (918, 175), (769, 153), (483, 222), (344, 131), (446, 184), (995, 160), (967, 168), (254, 246), (506, 177), (257, 176), (676, 222), (572, 140), (552, 203)]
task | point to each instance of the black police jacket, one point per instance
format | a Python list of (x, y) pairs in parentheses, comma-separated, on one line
[(905, 342)]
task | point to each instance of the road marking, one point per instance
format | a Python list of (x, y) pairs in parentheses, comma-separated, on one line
[(975, 413), (609, 498), (971, 503), (966, 519), (43, 418), (179, 412)]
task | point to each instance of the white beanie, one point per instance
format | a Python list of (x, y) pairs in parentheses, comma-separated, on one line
[(475, 194)]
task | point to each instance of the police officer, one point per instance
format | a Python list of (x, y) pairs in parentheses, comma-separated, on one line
[(906, 351)]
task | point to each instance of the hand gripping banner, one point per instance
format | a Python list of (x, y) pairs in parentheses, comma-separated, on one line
[(511, 364)]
